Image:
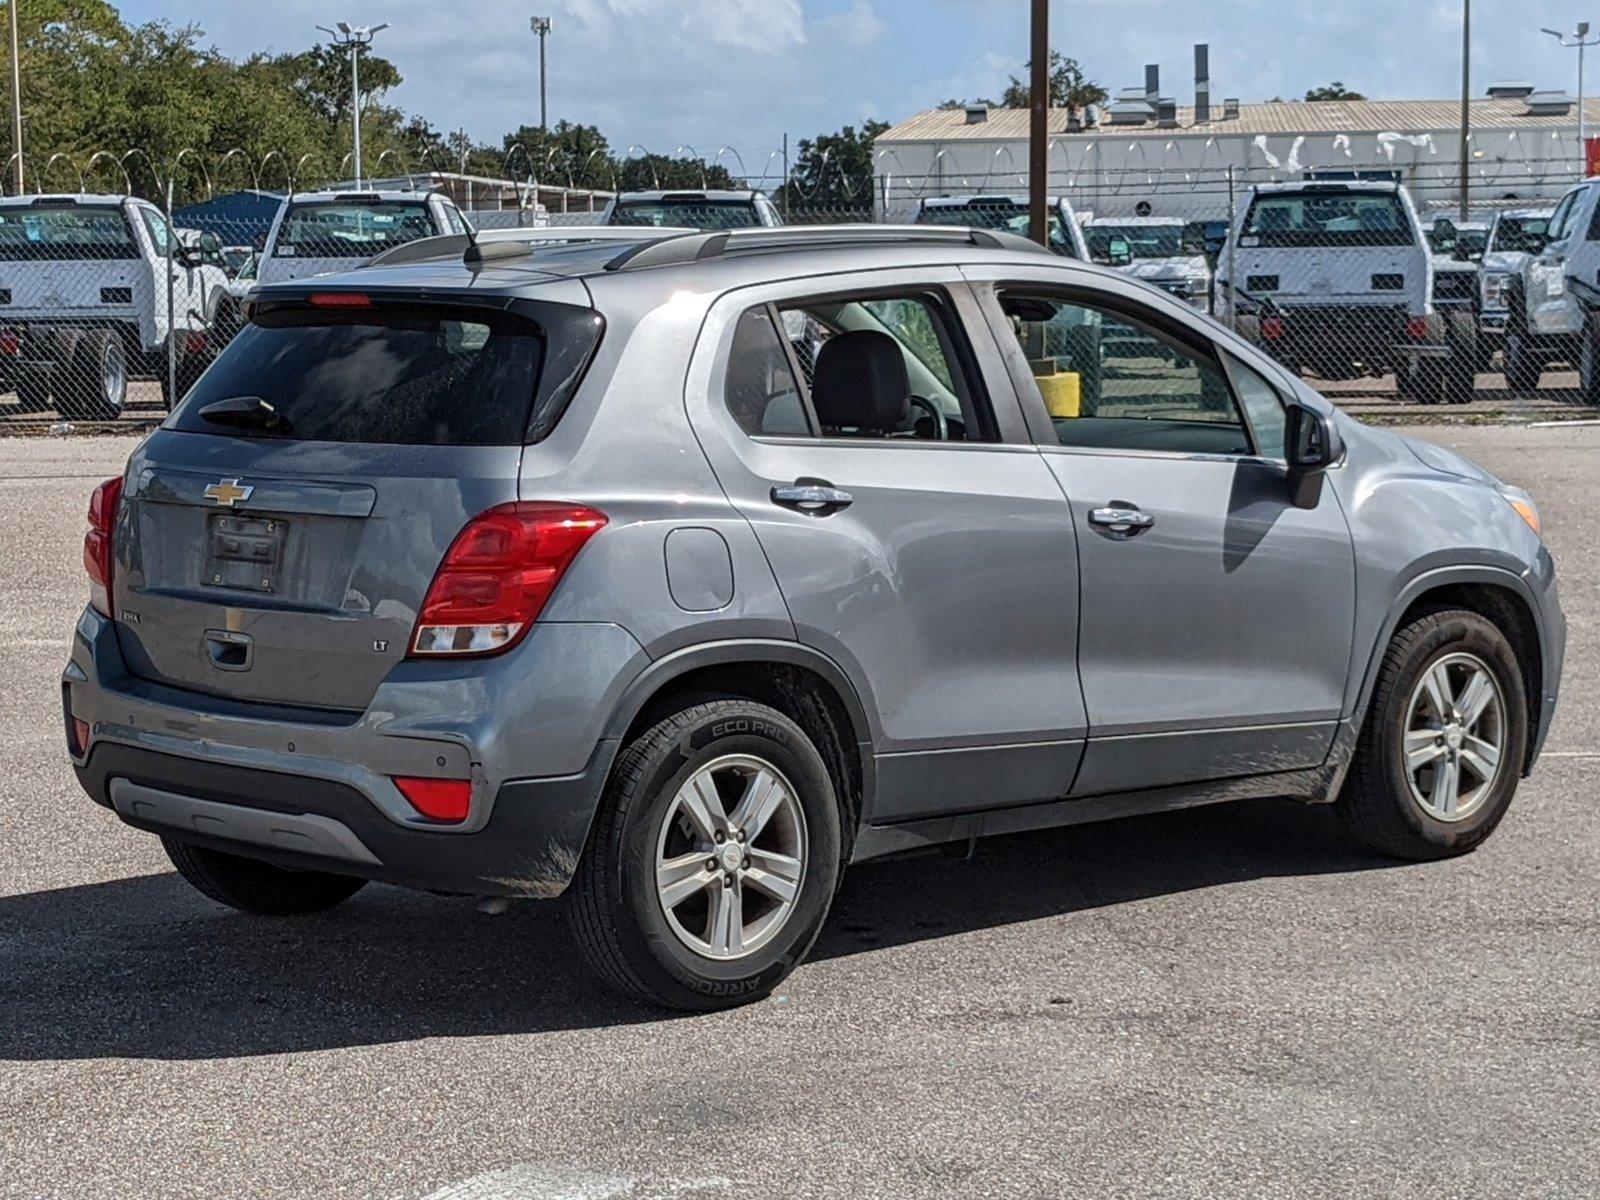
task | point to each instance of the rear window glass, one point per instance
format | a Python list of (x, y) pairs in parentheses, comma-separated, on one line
[(70, 232), (350, 230), (1144, 241), (1327, 219), (1004, 215), (392, 373), (696, 213)]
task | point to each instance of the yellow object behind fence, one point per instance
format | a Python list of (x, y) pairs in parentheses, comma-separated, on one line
[(1063, 393)]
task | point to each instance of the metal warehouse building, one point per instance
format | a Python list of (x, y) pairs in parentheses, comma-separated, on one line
[(1143, 153)]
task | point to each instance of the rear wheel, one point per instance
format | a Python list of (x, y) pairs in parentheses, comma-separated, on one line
[(95, 385), (1460, 369), (258, 887), (713, 860), (1589, 361), (1442, 748), (190, 367), (1523, 364)]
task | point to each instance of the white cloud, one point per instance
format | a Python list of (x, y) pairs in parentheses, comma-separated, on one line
[(857, 27)]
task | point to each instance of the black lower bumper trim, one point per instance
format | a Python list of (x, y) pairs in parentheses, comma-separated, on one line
[(530, 846)]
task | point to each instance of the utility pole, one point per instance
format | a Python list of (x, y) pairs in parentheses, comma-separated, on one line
[(1039, 124), (16, 96), (358, 38), (1580, 39), (541, 26), (1466, 93)]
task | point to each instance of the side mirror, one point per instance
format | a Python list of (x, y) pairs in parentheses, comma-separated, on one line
[(187, 256), (1119, 253), (1311, 445)]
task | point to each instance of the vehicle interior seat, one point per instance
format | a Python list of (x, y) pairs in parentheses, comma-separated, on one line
[(861, 384)]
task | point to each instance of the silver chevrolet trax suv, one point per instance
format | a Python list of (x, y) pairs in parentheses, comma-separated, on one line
[(671, 576)]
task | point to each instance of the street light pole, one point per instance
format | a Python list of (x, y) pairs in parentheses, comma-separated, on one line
[(1466, 93), (358, 38), (16, 95), (541, 26), (1579, 38), (1039, 124)]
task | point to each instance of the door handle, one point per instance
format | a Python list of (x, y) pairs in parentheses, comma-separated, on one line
[(1121, 520), (814, 497)]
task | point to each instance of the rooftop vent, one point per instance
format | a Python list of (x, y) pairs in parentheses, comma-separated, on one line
[(1230, 108), (1152, 82), (1549, 104), (1167, 113), (1091, 116), (1130, 112), (1510, 89), (977, 114), (1202, 83)]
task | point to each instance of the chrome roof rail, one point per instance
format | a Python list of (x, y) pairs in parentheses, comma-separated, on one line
[(695, 247)]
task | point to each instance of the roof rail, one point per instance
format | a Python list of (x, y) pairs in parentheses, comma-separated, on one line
[(489, 244), (694, 247)]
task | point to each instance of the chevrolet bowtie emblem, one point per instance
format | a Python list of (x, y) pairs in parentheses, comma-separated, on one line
[(227, 492)]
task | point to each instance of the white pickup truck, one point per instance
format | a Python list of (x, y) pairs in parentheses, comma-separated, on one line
[(1009, 213), (1168, 252), (1554, 302), (1335, 279), (315, 233), (89, 284), (1515, 236)]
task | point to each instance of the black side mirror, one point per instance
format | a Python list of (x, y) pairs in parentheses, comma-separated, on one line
[(1311, 445), (187, 256)]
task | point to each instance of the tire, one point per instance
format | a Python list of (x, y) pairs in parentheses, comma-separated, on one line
[(59, 345), (642, 948), (33, 391), (257, 887), (96, 385), (190, 368), (1377, 801), (1523, 364), (1589, 361), (226, 323), (1420, 380), (1460, 369)]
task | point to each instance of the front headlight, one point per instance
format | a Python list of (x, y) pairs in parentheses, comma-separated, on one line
[(1494, 290), (1523, 505)]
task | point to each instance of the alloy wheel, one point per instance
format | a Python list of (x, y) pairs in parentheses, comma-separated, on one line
[(1454, 737)]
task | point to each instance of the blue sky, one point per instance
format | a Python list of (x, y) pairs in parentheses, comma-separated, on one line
[(708, 74)]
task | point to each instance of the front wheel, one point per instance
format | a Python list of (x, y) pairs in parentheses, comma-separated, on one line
[(1443, 744), (1523, 364), (713, 860), (253, 886), (1589, 361)]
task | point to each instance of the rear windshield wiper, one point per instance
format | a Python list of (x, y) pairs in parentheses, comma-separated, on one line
[(245, 410)]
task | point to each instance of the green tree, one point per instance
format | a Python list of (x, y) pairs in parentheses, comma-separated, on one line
[(1333, 91), (1069, 86), (835, 169)]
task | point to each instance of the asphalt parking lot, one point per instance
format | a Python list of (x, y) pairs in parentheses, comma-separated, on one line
[(1223, 1002)]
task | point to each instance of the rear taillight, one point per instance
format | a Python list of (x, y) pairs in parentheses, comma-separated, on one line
[(1272, 328), (498, 574), (194, 342), (437, 799), (79, 740), (99, 551), (10, 343), (1417, 328)]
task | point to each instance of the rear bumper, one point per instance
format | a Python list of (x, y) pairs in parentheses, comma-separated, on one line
[(528, 730), (1373, 335)]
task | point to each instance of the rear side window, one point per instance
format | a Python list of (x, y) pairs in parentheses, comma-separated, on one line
[(390, 373)]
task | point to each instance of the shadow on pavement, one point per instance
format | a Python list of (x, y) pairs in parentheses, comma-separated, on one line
[(146, 968)]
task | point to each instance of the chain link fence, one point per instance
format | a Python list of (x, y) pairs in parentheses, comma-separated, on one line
[(1372, 288)]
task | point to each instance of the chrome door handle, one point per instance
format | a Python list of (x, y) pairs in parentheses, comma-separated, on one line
[(1121, 520), (814, 497)]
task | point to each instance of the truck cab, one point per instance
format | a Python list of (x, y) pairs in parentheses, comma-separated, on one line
[(95, 287), (1167, 252), (1553, 300), (315, 233), (703, 210), (1336, 279), (1008, 213)]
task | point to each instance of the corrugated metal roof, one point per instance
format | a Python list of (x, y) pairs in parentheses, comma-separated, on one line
[(1284, 117)]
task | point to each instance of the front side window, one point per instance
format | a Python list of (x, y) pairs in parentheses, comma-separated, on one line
[(886, 366), (44, 233), (156, 226), (350, 229), (1524, 234), (1111, 382), (1561, 219)]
